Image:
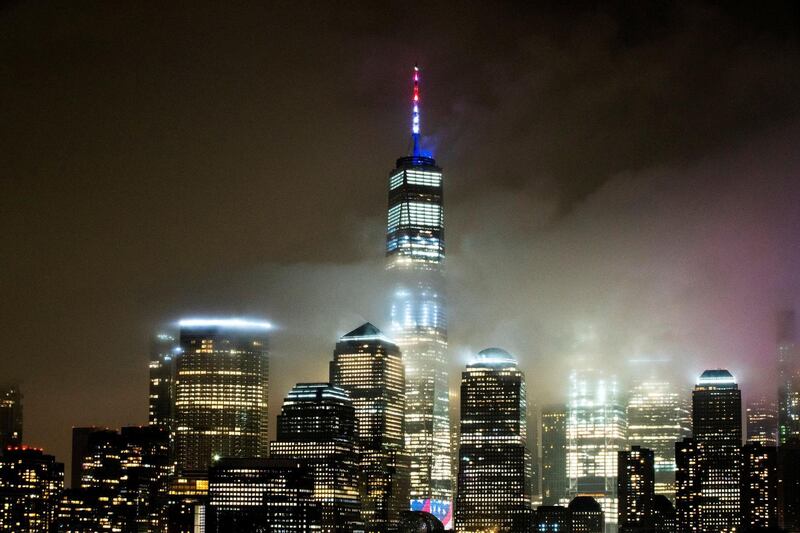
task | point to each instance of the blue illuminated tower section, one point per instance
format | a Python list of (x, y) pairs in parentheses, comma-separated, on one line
[(415, 260)]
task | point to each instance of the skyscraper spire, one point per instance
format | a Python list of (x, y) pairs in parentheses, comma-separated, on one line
[(415, 113)]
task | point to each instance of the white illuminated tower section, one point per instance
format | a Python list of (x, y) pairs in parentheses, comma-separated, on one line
[(415, 259)]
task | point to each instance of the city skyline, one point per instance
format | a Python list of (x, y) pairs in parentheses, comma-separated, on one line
[(121, 262)]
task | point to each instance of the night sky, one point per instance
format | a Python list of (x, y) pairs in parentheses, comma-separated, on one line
[(628, 168)]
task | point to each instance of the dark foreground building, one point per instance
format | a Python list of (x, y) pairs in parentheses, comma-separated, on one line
[(30, 486)]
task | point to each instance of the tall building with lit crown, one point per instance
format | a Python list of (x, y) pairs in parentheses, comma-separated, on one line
[(317, 426), (493, 461), (788, 377), (221, 391), (596, 431), (759, 486), (415, 260), (369, 367), (554, 454), (30, 487), (658, 417), (762, 422), (717, 427), (163, 351), (10, 416)]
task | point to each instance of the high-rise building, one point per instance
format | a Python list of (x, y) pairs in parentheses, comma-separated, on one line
[(146, 469), (762, 422), (663, 519), (586, 515), (658, 417), (10, 416), (788, 377), (369, 367), (635, 489), (554, 454), (184, 510), (551, 519), (596, 428), (270, 495), (415, 258), (317, 426), (493, 461), (789, 485), (163, 351), (710, 463), (30, 487), (221, 391), (759, 486)]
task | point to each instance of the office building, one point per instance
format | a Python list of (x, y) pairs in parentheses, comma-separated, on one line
[(709, 464), (419, 522), (221, 391), (31, 483), (494, 463), (759, 499), (317, 426), (596, 431), (369, 367), (663, 519), (635, 489), (762, 422), (163, 351), (551, 519), (554, 454), (146, 470), (658, 417), (269, 495), (10, 416), (789, 485), (186, 503), (415, 255), (788, 377), (586, 515)]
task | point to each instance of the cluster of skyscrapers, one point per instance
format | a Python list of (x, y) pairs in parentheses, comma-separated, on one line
[(373, 448)]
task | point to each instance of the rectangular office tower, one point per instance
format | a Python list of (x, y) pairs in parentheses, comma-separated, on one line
[(596, 430), (493, 461), (636, 489), (163, 350), (317, 426), (221, 391), (31, 483), (710, 463), (762, 422), (759, 486), (369, 367), (788, 377), (658, 417), (554, 454), (415, 260), (10, 416)]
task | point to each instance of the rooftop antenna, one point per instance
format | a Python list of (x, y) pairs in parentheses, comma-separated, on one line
[(415, 113)]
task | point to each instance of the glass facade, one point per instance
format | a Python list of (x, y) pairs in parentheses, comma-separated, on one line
[(415, 259), (221, 392), (554, 454), (370, 368), (162, 353), (658, 417), (317, 426), (494, 471), (596, 431)]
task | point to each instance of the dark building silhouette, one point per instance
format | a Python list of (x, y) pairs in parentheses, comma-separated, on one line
[(494, 471), (789, 485), (635, 489), (759, 486), (163, 350), (186, 503), (10, 416), (317, 426), (369, 367), (418, 522), (788, 377), (554, 454), (261, 495), (221, 391), (689, 461), (31, 483), (551, 519), (146, 469), (663, 518), (586, 515)]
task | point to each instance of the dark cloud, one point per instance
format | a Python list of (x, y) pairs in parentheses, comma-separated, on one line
[(626, 166)]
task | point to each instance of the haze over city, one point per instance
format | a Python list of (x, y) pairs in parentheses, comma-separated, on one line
[(627, 172)]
